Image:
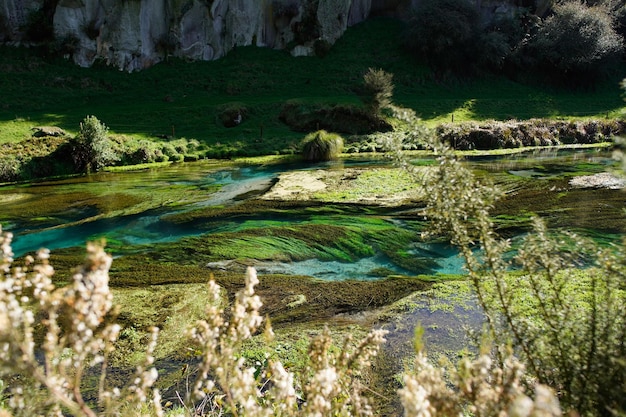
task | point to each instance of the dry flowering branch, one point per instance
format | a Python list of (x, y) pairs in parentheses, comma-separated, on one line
[(566, 323), (478, 387), (223, 373), (76, 335)]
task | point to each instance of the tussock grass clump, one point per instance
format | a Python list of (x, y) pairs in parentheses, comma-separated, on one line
[(321, 146)]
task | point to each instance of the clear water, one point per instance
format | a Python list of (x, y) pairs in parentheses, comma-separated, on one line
[(161, 192)]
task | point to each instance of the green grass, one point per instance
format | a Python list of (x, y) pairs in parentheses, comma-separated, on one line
[(183, 99)]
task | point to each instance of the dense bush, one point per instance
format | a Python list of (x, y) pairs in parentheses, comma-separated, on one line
[(92, 149), (303, 117), (321, 146), (444, 33), (533, 132), (577, 44)]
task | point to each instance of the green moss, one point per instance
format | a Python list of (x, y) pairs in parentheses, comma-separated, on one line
[(373, 184)]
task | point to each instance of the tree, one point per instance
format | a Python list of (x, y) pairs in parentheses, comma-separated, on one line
[(577, 43), (92, 149)]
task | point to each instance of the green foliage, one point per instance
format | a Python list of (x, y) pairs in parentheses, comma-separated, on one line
[(377, 90), (321, 146), (92, 149), (576, 44)]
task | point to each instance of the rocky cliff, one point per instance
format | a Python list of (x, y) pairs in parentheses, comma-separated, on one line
[(135, 34)]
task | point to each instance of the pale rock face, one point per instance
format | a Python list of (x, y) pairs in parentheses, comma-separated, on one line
[(333, 18), (135, 34)]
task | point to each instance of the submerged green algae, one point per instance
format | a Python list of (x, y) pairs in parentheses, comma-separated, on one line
[(106, 195)]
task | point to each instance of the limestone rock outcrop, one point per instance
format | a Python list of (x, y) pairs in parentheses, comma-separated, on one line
[(135, 34)]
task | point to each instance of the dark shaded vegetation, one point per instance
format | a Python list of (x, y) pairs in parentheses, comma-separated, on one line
[(349, 119), (574, 45)]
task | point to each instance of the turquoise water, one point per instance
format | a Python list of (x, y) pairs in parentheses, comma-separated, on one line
[(67, 213)]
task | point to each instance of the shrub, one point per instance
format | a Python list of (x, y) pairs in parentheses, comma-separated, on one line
[(79, 338), (377, 90), (232, 114), (444, 33), (322, 47), (576, 44), (321, 146), (533, 132), (92, 149), (568, 324), (339, 118), (9, 168), (308, 28)]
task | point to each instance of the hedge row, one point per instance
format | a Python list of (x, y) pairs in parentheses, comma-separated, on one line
[(533, 132)]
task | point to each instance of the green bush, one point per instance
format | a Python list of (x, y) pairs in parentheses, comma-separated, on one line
[(9, 168), (577, 44), (321, 146), (232, 114), (92, 149)]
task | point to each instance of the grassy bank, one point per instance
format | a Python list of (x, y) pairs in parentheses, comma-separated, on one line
[(183, 99)]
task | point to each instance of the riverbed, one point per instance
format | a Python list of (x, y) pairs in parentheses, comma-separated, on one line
[(335, 243)]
